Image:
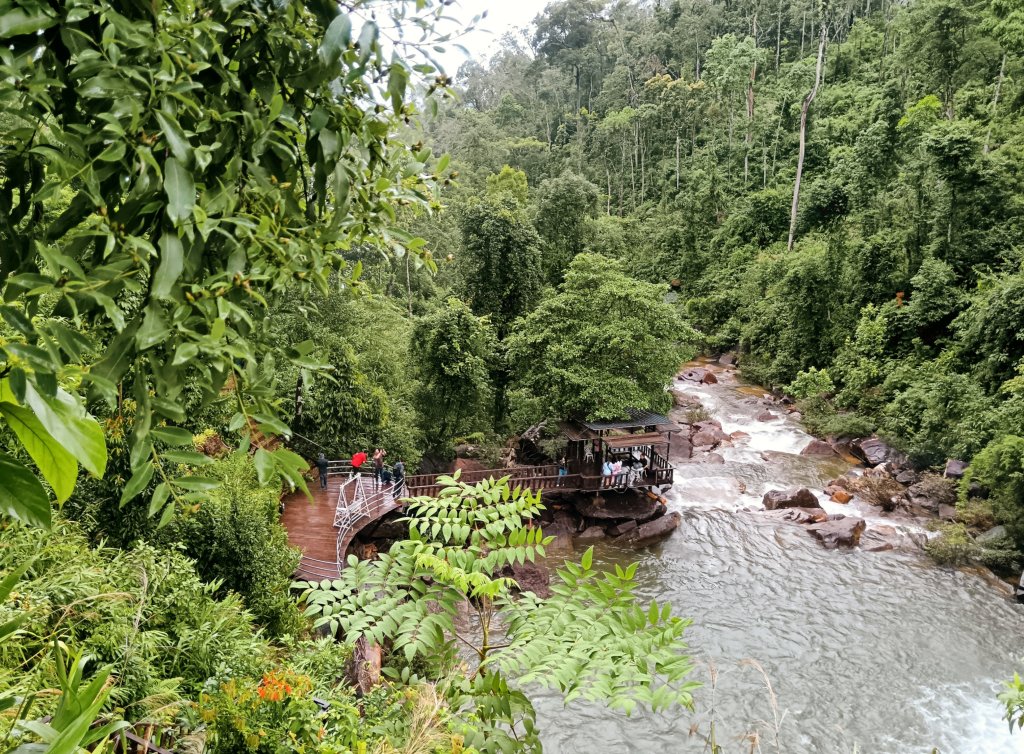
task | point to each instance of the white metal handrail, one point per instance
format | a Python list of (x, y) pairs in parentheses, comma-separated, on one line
[(348, 514)]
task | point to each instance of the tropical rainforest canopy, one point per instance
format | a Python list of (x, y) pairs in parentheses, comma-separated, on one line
[(234, 235)]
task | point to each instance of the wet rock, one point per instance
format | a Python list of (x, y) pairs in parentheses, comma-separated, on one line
[(947, 512), (907, 477), (652, 531), (708, 424), (844, 532), (992, 535), (873, 451), (798, 515), (954, 469), (530, 577), (685, 400), (711, 436), (727, 359), (681, 450), (930, 493), (699, 374), (713, 458), (879, 539), (739, 435), (841, 496), (843, 482), (792, 498), (590, 535), (639, 507), (619, 529), (796, 415), (766, 416), (818, 448)]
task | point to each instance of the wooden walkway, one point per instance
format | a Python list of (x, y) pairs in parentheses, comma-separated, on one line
[(323, 530)]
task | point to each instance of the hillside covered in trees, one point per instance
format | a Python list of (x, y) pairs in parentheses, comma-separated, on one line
[(672, 135)]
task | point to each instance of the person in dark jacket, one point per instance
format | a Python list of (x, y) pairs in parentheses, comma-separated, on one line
[(399, 471), (321, 466)]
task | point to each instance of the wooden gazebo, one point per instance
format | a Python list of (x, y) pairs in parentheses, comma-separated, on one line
[(641, 439)]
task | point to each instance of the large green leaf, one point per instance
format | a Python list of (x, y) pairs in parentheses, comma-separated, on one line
[(172, 263), (176, 139), (181, 191), (67, 422), (57, 466), (21, 494)]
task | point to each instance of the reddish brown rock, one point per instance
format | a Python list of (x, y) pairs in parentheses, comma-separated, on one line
[(818, 448), (841, 496), (833, 534), (652, 531), (793, 498)]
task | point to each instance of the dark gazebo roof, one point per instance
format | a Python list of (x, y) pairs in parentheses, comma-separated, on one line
[(638, 419)]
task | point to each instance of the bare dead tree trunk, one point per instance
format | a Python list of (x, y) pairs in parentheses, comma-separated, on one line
[(822, 38), (778, 38), (608, 207), (995, 104), (677, 160), (748, 139)]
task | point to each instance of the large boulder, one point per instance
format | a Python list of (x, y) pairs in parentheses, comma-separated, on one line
[(713, 458), (590, 535), (652, 531), (798, 515), (931, 492), (873, 451), (991, 536), (710, 435), (619, 529), (681, 450), (640, 507), (699, 374), (792, 498), (766, 416), (818, 448), (843, 532), (727, 359), (954, 469), (529, 577)]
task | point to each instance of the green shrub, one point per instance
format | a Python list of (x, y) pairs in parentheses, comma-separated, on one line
[(999, 468), (236, 539), (953, 546), (811, 383)]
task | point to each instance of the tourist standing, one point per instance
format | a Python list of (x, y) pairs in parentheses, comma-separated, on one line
[(399, 470), (378, 465), (358, 459), (322, 466)]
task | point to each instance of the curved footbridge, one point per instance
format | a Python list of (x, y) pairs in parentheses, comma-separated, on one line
[(324, 528)]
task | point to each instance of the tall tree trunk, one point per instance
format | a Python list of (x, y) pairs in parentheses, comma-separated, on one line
[(822, 38), (995, 104), (608, 209), (677, 160), (750, 113), (778, 38)]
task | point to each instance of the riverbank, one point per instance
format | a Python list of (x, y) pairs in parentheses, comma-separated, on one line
[(883, 651)]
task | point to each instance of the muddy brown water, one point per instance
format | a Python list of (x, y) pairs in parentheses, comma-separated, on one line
[(876, 653)]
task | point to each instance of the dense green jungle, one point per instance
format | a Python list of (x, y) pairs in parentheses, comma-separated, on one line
[(235, 235)]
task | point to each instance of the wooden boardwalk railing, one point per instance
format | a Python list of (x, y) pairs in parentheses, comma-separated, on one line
[(325, 528)]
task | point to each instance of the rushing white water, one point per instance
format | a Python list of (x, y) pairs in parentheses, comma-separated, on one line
[(871, 652)]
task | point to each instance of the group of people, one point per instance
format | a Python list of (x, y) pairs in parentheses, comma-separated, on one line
[(611, 471), (382, 475)]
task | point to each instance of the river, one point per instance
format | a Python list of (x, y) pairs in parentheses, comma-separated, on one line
[(878, 653)]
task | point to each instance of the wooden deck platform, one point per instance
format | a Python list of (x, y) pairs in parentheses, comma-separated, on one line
[(310, 527), (316, 528)]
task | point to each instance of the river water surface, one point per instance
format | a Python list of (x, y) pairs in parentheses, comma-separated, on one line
[(878, 653)]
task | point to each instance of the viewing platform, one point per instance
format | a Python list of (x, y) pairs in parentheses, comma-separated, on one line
[(325, 528)]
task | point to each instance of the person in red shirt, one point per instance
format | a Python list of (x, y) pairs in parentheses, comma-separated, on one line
[(358, 459)]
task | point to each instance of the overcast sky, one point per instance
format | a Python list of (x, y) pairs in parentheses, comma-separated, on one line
[(482, 42)]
